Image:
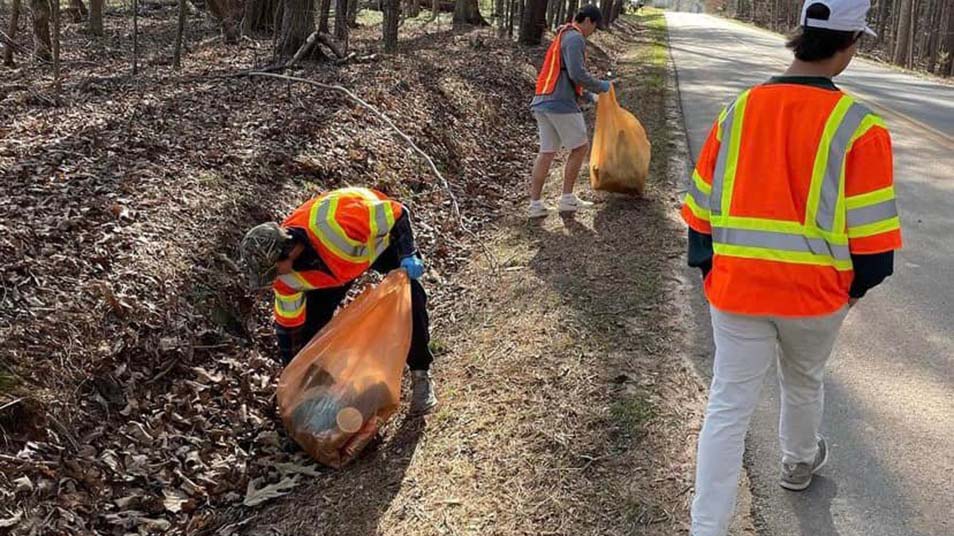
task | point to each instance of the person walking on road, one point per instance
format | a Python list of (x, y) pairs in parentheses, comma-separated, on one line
[(312, 259), (562, 81), (792, 219)]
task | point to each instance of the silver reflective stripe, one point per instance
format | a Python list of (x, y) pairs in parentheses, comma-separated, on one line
[(331, 235), (779, 241), (873, 213), (837, 150), (381, 219), (380, 245), (701, 199), (290, 306), (719, 177), (293, 282)]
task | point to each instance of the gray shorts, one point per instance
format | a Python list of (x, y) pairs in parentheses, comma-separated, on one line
[(561, 130)]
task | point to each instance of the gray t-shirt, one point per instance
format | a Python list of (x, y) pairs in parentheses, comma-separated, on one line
[(563, 98)]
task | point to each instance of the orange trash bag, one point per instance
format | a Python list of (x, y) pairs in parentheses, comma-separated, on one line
[(346, 382), (619, 160)]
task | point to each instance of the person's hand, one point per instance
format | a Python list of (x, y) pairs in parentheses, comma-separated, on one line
[(413, 265), (594, 98)]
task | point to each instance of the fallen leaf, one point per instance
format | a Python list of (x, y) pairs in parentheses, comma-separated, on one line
[(295, 469), (24, 484), (173, 500), (11, 521), (254, 497)]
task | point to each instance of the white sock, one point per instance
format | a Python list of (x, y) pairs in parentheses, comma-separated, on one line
[(568, 197), (536, 203)]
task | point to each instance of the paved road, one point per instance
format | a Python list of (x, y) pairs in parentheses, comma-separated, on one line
[(890, 389)]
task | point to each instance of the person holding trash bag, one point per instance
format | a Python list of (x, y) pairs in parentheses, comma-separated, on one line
[(792, 220), (312, 258), (562, 81)]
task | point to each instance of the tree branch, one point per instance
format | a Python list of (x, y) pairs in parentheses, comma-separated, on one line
[(455, 206)]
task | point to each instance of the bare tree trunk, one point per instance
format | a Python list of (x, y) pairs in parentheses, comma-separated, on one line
[(259, 16), (353, 8), (534, 22), (435, 9), (78, 10), (96, 17), (412, 8), (41, 29), (298, 22), (947, 67), (12, 33), (561, 13), (324, 11), (55, 9), (180, 29), (135, 65), (392, 12), (500, 7), (572, 9), (901, 45), (341, 20), (467, 13)]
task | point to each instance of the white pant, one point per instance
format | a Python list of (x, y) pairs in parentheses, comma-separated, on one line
[(745, 348)]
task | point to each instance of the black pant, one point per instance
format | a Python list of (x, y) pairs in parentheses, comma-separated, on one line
[(320, 306)]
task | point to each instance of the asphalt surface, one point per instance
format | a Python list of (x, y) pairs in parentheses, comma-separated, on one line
[(889, 411)]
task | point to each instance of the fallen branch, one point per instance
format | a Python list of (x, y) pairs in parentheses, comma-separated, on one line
[(9, 404), (455, 206), (329, 42)]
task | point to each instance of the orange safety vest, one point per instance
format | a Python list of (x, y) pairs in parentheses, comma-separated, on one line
[(553, 64), (791, 182), (348, 228)]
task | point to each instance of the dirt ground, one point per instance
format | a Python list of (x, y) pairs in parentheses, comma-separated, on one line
[(137, 378)]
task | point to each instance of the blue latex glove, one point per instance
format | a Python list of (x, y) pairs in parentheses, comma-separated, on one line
[(414, 266)]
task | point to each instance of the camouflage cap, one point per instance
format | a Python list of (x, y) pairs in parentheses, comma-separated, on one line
[(260, 250)]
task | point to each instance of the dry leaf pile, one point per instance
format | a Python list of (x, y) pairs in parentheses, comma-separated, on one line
[(136, 375)]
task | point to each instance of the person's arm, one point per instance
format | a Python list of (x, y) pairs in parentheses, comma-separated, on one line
[(874, 229), (289, 320), (695, 208), (572, 48), (700, 251), (402, 235)]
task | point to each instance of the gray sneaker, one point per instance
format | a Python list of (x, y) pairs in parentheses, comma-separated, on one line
[(423, 398), (798, 476)]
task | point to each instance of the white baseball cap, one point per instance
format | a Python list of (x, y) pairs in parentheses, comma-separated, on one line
[(844, 16)]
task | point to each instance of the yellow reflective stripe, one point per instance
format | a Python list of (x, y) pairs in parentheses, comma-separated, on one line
[(365, 193), (780, 226), (330, 233), (373, 235), (732, 163), (794, 257), (701, 183), (697, 211), (821, 157), (872, 229), (291, 306), (870, 198), (722, 114), (870, 121)]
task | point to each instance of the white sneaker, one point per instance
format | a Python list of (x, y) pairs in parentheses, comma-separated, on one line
[(538, 210), (572, 203)]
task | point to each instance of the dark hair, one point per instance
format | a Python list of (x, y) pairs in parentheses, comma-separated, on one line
[(591, 12), (819, 44)]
